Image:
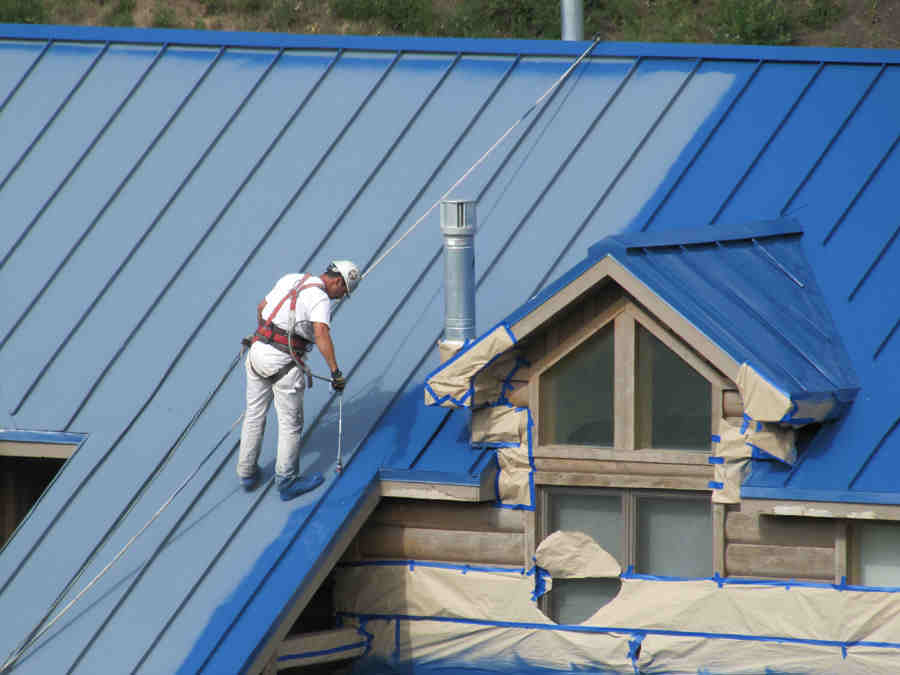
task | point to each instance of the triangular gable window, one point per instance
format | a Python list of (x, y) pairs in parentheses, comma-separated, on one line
[(624, 381)]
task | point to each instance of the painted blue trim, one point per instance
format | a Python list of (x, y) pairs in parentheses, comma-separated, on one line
[(134, 248), (814, 495), (28, 71), (569, 628), (449, 45), (426, 476), (323, 652), (59, 188), (19, 436), (689, 236), (702, 147)]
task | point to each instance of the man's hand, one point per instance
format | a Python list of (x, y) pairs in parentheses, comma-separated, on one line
[(337, 380)]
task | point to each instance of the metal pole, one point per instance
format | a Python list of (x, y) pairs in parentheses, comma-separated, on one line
[(572, 19), (340, 467)]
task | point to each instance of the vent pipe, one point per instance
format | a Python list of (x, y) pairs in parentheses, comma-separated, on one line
[(572, 14), (458, 228)]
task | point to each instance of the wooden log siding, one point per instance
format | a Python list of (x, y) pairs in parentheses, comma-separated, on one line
[(477, 534), (763, 546)]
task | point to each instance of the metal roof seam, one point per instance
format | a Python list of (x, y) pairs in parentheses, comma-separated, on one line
[(873, 264), (124, 512), (702, 146), (669, 282), (615, 181), (34, 142), (777, 264), (28, 71), (873, 452), (145, 565), (62, 184), (559, 170), (187, 260), (886, 340), (833, 139), (765, 146), (131, 253), (525, 133), (861, 190), (773, 328)]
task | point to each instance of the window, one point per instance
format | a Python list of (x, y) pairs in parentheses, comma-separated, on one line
[(577, 394), (876, 547), (657, 533), (623, 381), (673, 398)]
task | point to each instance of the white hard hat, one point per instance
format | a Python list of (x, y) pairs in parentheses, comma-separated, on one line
[(348, 271)]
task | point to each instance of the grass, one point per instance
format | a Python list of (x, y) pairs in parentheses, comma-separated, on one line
[(729, 21)]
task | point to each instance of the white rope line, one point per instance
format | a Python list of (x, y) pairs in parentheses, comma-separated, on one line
[(483, 157), (15, 656), (21, 650)]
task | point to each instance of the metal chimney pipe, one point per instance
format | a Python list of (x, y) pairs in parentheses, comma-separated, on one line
[(572, 15), (458, 228)]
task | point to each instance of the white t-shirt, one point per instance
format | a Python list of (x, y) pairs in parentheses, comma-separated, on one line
[(313, 305)]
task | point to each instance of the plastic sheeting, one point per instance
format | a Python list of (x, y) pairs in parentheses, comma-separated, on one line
[(461, 616)]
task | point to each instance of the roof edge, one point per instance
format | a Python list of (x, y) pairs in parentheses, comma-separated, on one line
[(175, 36), (813, 495)]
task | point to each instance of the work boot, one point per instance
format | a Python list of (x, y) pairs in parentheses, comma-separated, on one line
[(294, 487), (249, 482)]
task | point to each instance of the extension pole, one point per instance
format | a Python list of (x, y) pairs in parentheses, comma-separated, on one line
[(340, 467)]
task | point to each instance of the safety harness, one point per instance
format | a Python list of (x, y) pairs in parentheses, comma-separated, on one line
[(286, 341)]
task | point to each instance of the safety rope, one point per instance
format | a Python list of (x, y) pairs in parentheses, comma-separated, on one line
[(43, 625), (562, 78)]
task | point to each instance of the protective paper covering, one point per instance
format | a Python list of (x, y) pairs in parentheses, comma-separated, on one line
[(575, 555), (451, 384), (766, 403), (463, 617), (735, 445), (514, 477)]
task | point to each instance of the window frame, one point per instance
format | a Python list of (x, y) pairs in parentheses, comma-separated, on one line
[(625, 314), (629, 498)]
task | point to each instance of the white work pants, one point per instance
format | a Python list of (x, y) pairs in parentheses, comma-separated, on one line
[(262, 362)]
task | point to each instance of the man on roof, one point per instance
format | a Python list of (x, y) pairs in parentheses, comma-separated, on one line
[(294, 315)]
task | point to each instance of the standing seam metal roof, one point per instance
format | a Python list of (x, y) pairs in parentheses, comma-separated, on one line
[(155, 183)]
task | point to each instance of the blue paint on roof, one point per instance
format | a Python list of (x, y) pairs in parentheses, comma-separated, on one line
[(155, 183)]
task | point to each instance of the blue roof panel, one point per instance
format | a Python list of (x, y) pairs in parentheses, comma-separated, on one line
[(155, 183)]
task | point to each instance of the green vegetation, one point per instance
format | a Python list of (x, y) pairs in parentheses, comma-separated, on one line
[(730, 21)]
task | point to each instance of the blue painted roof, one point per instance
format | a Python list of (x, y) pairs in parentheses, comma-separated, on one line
[(748, 288), (155, 183)]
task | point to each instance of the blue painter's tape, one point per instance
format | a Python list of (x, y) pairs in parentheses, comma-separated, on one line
[(323, 652), (540, 582), (716, 438), (577, 628), (716, 485), (759, 453), (716, 460), (422, 563)]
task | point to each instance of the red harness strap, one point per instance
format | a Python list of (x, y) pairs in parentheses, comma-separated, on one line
[(271, 334)]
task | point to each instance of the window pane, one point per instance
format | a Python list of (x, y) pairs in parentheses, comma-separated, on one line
[(674, 537), (594, 514), (574, 600), (673, 398), (577, 395), (878, 546)]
